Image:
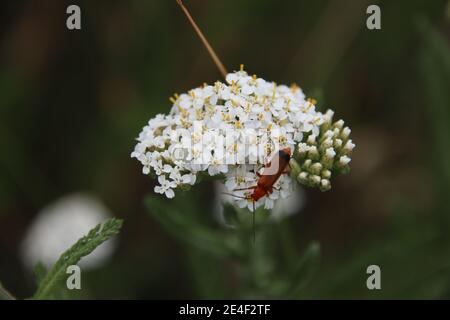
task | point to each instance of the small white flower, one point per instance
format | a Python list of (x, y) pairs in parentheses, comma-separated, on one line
[(188, 179), (217, 166), (179, 178), (165, 187)]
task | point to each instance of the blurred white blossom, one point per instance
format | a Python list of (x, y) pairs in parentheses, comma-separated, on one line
[(59, 225), (283, 207), (289, 206)]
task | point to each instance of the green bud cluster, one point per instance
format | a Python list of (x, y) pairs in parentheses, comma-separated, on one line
[(323, 155)]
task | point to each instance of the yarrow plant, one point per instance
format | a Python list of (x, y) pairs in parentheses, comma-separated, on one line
[(229, 130)]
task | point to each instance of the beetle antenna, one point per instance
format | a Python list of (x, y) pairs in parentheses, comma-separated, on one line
[(233, 195), (242, 189), (254, 229), (205, 42), (254, 213)]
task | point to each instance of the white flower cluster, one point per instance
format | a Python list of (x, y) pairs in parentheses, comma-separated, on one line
[(228, 130)]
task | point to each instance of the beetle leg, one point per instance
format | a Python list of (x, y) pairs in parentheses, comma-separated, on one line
[(249, 188), (257, 171), (274, 188), (233, 195)]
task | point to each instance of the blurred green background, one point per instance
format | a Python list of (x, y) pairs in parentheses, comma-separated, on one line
[(72, 103)]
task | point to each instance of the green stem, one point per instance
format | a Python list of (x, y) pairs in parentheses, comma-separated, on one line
[(287, 241)]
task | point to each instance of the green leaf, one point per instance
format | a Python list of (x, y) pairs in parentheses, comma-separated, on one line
[(80, 249), (435, 72), (305, 269), (39, 272)]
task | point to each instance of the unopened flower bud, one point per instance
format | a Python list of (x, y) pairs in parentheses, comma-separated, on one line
[(328, 116), (339, 124), (349, 146), (303, 177), (316, 168), (295, 167), (314, 180), (337, 143), (325, 185), (345, 133), (329, 134), (327, 143), (326, 174), (307, 163), (313, 153), (330, 153), (344, 160), (312, 139), (302, 148)]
